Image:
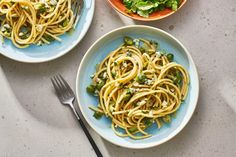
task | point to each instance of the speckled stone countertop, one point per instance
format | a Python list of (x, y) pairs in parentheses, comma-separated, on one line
[(206, 28)]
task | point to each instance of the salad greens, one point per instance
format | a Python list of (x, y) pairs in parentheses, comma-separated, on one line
[(145, 7)]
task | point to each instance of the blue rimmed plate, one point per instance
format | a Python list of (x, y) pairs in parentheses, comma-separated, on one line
[(37, 54), (109, 42)]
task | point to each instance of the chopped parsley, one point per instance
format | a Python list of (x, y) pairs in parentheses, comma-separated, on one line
[(141, 78), (98, 115)]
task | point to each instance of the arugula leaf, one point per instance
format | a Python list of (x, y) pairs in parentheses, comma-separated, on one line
[(146, 7), (128, 3), (174, 5), (143, 13)]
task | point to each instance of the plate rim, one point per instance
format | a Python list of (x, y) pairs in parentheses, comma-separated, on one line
[(64, 52), (185, 120), (142, 18)]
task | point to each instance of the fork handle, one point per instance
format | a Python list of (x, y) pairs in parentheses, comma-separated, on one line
[(96, 149)]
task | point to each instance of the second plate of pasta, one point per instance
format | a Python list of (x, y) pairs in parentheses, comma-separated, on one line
[(43, 30), (137, 88)]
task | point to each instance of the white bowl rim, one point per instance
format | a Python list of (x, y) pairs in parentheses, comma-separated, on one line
[(187, 116), (62, 53)]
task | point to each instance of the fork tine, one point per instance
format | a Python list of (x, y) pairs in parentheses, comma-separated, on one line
[(66, 85), (70, 92), (78, 7), (61, 88), (64, 88), (60, 84), (56, 87)]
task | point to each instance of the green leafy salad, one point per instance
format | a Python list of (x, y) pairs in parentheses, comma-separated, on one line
[(145, 7)]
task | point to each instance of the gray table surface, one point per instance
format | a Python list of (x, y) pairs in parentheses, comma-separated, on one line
[(206, 28)]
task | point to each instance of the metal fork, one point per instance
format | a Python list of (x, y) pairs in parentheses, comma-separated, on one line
[(77, 6), (67, 97)]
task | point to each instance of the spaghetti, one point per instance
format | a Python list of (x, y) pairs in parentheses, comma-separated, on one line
[(138, 85), (37, 22)]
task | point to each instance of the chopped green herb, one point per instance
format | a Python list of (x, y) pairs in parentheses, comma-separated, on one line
[(71, 31), (145, 47), (24, 35), (148, 122), (141, 78), (178, 75), (170, 57), (48, 37), (155, 107), (174, 114), (102, 76), (145, 112), (8, 34), (40, 7), (113, 74), (132, 130), (129, 91), (178, 78), (142, 49), (127, 97), (135, 104), (98, 115), (65, 23), (128, 41), (163, 52), (166, 119), (154, 44), (100, 85), (91, 89)]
